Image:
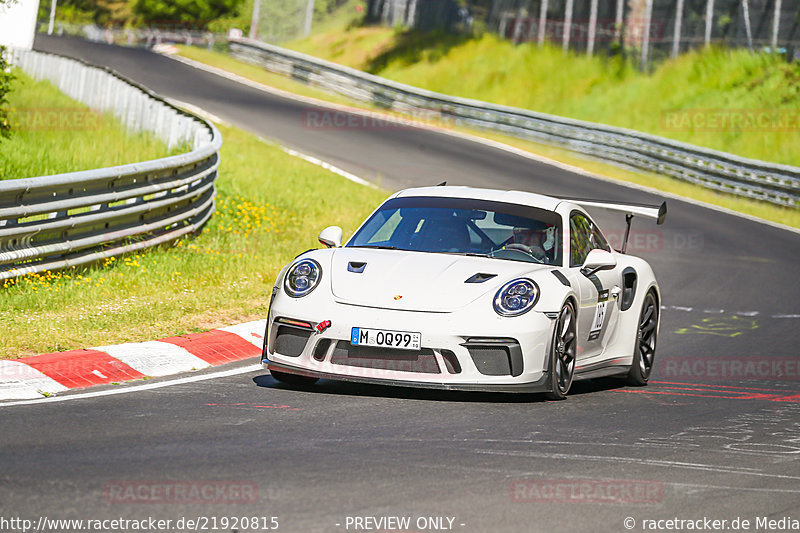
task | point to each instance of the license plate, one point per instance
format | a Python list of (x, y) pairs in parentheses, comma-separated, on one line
[(401, 340)]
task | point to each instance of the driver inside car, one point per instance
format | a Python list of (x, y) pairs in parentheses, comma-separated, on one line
[(538, 239)]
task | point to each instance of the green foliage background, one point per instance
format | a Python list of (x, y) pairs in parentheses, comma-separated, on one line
[(6, 77)]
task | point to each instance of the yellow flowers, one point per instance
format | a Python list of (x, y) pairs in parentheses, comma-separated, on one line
[(46, 281), (240, 216)]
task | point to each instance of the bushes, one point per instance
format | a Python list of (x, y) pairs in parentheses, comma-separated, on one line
[(6, 76)]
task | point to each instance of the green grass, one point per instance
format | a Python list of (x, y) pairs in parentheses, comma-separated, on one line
[(782, 215), (54, 134), (270, 207), (705, 85), (790, 217), (255, 73)]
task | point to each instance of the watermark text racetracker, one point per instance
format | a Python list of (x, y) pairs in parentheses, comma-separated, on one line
[(324, 119), (181, 492), (585, 491), (46, 524), (55, 119), (722, 120), (786, 368), (705, 523)]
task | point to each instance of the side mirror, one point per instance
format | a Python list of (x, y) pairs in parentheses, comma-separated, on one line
[(598, 260), (331, 237)]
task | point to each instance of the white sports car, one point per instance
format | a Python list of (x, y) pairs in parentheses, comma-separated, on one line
[(467, 289)]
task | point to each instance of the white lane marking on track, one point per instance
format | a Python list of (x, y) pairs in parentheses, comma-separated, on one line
[(138, 388), (474, 138), (648, 462), (197, 111), (327, 166), (154, 358)]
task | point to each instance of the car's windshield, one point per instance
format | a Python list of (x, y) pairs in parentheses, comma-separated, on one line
[(464, 226)]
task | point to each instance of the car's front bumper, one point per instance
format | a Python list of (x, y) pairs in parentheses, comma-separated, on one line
[(541, 385), (456, 347)]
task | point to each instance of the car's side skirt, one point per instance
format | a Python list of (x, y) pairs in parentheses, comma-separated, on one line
[(601, 370)]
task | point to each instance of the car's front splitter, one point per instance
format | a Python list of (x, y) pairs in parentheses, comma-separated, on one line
[(540, 385)]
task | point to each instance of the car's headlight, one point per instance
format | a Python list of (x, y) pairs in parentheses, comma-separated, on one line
[(516, 297), (302, 278)]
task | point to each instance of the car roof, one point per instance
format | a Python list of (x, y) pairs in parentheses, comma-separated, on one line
[(512, 197)]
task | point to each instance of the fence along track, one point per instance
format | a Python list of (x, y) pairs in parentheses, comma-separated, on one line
[(64, 220), (720, 171)]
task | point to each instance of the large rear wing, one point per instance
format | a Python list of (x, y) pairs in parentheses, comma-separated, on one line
[(656, 212)]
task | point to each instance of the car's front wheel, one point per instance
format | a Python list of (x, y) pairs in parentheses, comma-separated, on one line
[(562, 353), (645, 351), (292, 379)]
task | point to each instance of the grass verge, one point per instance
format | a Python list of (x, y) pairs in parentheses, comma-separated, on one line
[(730, 100), (789, 217), (52, 134), (270, 207)]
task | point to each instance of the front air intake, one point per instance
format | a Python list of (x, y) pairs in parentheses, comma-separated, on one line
[(495, 357), (290, 341), (422, 361)]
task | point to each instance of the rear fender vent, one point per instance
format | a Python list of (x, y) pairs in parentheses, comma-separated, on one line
[(628, 288)]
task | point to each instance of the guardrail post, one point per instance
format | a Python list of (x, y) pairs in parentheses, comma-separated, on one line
[(776, 21), (709, 21), (648, 13), (592, 28), (567, 24)]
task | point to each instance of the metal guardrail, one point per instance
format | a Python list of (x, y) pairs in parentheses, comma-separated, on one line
[(64, 220), (148, 36), (778, 184)]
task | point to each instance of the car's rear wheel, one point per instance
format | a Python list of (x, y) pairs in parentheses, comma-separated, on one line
[(562, 353), (646, 334), (292, 379)]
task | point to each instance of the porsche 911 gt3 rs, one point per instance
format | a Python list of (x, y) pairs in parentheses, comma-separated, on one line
[(467, 289)]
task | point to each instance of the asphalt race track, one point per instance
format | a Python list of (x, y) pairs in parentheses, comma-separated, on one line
[(700, 442)]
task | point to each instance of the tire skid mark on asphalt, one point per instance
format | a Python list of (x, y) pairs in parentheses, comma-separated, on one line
[(688, 309), (724, 392), (517, 473), (642, 461), (253, 406)]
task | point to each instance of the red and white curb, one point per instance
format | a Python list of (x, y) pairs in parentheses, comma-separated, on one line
[(48, 374)]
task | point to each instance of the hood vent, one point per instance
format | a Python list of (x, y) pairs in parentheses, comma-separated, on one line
[(355, 266), (480, 277)]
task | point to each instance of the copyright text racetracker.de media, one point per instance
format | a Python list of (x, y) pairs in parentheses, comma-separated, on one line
[(705, 523)]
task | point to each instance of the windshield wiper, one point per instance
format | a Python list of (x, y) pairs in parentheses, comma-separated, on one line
[(468, 254), (381, 247)]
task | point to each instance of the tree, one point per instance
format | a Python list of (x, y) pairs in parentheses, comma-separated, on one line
[(196, 12), (6, 76)]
